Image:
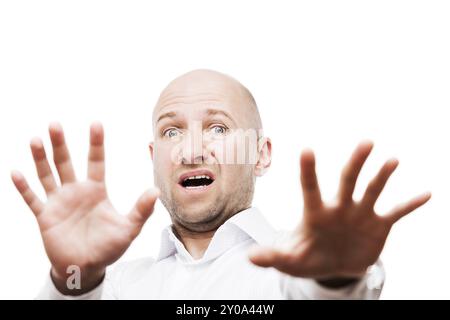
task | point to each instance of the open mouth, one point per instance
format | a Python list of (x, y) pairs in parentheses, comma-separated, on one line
[(196, 181)]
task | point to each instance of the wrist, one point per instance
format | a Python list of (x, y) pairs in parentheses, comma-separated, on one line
[(77, 281), (337, 282)]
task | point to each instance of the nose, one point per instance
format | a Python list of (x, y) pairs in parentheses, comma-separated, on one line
[(192, 147)]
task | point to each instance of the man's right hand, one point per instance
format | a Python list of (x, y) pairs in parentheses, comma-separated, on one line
[(78, 223)]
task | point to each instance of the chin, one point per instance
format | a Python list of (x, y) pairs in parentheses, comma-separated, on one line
[(197, 213)]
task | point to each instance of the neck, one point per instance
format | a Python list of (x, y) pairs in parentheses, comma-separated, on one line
[(195, 243)]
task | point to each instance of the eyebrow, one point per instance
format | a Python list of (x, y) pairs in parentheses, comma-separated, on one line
[(170, 114), (213, 112), (210, 112)]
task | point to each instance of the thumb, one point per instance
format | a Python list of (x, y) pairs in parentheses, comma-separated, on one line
[(267, 257), (143, 209)]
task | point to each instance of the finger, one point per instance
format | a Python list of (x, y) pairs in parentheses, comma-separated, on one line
[(283, 261), (28, 195), (268, 257), (406, 208), (42, 166), (142, 210), (377, 185), (61, 154), (310, 186), (96, 161), (352, 169)]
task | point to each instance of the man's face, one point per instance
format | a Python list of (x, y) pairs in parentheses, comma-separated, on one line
[(202, 165)]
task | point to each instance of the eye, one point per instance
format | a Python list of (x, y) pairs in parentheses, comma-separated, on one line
[(171, 132), (218, 129)]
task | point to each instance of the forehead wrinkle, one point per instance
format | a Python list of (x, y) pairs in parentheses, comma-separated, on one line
[(175, 99), (179, 98)]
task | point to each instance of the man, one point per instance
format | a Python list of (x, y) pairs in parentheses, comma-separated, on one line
[(219, 246)]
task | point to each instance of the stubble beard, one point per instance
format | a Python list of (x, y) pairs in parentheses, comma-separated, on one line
[(221, 209)]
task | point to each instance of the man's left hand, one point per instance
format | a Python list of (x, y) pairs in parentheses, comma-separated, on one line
[(340, 240)]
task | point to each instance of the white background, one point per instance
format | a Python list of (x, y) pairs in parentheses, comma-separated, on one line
[(326, 74)]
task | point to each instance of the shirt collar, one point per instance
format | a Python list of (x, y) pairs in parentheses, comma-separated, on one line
[(247, 224)]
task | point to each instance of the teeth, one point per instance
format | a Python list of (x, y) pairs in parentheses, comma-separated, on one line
[(198, 177), (198, 187)]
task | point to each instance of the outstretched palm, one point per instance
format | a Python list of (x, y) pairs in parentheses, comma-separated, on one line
[(338, 240), (78, 223)]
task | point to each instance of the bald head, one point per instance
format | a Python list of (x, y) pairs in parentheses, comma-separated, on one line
[(204, 86)]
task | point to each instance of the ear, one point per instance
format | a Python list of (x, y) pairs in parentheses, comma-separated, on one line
[(265, 156), (150, 146)]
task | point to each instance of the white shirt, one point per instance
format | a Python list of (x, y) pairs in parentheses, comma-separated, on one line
[(224, 271)]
